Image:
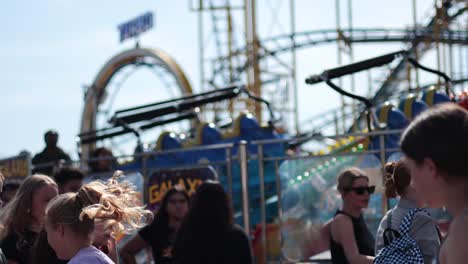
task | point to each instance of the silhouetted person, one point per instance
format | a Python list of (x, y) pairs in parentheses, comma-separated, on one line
[(51, 155)]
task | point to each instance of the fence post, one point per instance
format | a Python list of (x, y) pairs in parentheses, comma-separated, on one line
[(382, 161), (243, 160), (229, 170), (144, 166), (261, 176)]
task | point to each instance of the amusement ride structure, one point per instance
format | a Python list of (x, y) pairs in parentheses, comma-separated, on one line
[(243, 120), (243, 124)]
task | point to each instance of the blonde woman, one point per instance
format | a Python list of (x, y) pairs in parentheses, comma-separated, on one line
[(70, 219), (351, 240)]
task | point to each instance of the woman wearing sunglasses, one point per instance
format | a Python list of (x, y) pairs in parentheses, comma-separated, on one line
[(423, 229), (351, 241)]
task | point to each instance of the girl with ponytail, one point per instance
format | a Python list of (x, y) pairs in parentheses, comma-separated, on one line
[(71, 218), (423, 229)]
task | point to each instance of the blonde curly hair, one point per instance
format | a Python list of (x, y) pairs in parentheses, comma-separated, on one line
[(113, 202)]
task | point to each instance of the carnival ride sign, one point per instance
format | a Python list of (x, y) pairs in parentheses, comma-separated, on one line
[(136, 26), (189, 178), (17, 166)]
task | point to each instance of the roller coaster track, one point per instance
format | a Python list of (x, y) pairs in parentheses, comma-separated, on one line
[(281, 44), (390, 85), (435, 30), (417, 47), (271, 47)]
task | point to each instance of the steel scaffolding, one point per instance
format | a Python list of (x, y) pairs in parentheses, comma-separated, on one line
[(236, 50)]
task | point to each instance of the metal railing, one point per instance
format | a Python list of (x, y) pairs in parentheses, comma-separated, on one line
[(258, 181)]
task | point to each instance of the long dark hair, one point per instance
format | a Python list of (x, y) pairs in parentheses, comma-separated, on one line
[(210, 207), (161, 217), (16, 215), (210, 213)]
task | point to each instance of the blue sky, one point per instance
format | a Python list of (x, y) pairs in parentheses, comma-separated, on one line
[(50, 49)]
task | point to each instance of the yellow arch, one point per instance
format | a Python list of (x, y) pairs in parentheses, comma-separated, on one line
[(95, 92)]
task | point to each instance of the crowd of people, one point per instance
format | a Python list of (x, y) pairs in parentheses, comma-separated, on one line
[(432, 174), (68, 222), (52, 217)]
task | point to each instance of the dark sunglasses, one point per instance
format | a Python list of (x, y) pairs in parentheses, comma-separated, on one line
[(361, 190)]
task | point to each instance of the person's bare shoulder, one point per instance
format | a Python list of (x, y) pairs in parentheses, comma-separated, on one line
[(339, 224), (340, 220)]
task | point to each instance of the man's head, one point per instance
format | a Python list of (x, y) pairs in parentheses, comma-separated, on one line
[(51, 138), (69, 179)]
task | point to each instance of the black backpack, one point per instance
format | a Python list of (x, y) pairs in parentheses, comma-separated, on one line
[(400, 247)]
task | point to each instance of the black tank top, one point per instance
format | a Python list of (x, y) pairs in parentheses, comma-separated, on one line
[(364, 241)]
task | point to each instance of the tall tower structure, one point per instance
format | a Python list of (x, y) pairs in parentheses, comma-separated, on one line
[(255, 42), (231, 51)]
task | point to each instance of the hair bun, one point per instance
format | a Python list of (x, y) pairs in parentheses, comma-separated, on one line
[(390, 184)]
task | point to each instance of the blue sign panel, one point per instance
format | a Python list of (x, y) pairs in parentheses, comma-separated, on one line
[(189, 178), (136, 26)]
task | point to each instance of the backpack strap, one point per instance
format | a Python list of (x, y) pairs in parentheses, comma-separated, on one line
[(406, 223), (389, 219), (439, 234), (389, 233)]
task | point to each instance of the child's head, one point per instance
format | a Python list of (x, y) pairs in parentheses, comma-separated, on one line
[(71, 216), (63, 221), (69, 179), (436, 145), (67, 209), (27, 209)]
